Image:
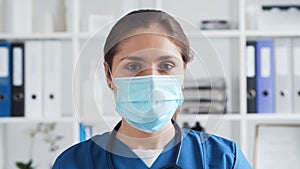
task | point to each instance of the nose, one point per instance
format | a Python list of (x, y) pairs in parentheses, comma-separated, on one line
[(149, 71)]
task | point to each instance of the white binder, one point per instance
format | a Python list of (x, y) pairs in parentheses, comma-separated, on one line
[(296, 74), (33, 78), (52, 74), (283, 76)]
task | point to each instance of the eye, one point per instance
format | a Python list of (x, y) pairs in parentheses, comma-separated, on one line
[(133, 67), (166, 66)]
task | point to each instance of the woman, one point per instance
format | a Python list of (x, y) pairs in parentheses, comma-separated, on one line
[(146, 55)]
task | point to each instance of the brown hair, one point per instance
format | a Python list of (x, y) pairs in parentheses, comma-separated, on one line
[(144, 19)]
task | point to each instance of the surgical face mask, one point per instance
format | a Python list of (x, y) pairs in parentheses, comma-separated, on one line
[(148, 102)]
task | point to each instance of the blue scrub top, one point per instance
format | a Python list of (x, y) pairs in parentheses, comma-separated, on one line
[(213, 153)]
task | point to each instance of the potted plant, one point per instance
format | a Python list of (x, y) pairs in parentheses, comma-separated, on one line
[(46, 130)]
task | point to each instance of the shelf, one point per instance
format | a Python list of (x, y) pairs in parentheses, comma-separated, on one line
[(87, 35), (181, 117), (214, 34), (275, 117), (237, 117), (191, 34), (229, 43), (100, 119), (272, 33), (59, 35), (202, 117), (9, 120)]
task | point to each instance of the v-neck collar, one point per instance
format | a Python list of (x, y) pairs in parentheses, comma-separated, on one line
[(123, 156)]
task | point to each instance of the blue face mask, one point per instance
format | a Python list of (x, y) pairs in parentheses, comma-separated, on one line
[(148, 102)]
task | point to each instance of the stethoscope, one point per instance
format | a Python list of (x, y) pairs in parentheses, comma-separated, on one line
[(168, 166)]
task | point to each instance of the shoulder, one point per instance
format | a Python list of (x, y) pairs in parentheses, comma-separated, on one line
[(210, 140), (80, 155), (217, 150)]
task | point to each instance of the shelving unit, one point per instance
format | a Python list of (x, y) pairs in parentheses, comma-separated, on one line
[(273, 34), (10, 120), (40, 36), (230, 45)]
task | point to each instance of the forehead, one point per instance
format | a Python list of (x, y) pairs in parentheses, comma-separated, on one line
[(147, 44)]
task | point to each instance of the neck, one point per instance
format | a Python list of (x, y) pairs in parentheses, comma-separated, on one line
[(137, 139)]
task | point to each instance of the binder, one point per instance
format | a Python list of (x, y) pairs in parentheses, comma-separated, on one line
[(5, 79), (283, 80), (251, 76), (17, 79), (52, 72), (85, 132), (82, 136), (265, 76), (296, 75), (34, 78)]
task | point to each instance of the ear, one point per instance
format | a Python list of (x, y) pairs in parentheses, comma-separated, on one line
[(184, 66), (107, 74), (175, 116)]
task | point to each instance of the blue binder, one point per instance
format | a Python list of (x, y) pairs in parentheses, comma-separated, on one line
[(82, 132), (5, 79), (82, 136), (265, 101)]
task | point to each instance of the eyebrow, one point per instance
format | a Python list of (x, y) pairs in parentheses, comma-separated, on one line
[(166, 57), (133, 58), (137, 58)]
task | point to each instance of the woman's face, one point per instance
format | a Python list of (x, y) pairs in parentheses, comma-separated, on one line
[(146, 54)]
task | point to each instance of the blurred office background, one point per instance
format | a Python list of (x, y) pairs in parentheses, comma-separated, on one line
[(243, 84)]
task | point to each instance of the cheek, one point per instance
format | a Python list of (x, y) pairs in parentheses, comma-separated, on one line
[(114, 89)]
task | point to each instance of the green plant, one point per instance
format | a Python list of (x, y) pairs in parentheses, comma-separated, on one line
[(49, 137), (27, 165)]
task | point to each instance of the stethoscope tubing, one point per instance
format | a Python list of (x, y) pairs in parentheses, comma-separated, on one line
[(113, 137)]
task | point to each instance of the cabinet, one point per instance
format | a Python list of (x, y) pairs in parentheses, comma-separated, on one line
[(87, 98)]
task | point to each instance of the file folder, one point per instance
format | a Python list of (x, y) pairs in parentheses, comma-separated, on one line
[(82, 136), (283, 80), (265, 76), (17, 79), (5, 79), (85, 132), (52, 74), (296, 75), (34, 78), (251, 77)]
